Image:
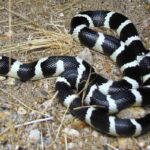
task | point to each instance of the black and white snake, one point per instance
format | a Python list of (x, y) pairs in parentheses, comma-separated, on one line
[(101, 97)]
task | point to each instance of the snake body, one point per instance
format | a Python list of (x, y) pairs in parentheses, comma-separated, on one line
[(100, 97)]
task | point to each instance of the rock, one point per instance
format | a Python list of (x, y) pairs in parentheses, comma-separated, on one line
[(86, 56), (69, 117), (142, 144), (61, 15), (21, 111), (125, 143), (86, 130), (2, 78), (132, 112), (35, 136), (95, 134), (78, 124), (71, 132), (70, 145), (11, 81), (148, 147)]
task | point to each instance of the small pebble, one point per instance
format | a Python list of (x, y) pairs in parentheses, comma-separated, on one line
[(11, 81), (132, 112), (104, 139), (80, 144), (78, 124), (35, 136), (142, 144), (69, 117), (148, 147), (95, 134), (71, 132), (2, 78), (21, 111), (70, 145), (125, 143), (86, 56), (87, 130), (61, 15), (19, 148)]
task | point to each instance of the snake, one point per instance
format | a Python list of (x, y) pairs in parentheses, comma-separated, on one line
[(89, 96)]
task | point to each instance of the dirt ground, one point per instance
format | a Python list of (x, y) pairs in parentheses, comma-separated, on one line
[(30, 116)]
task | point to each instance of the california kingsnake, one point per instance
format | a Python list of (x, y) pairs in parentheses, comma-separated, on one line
[(74, 73)]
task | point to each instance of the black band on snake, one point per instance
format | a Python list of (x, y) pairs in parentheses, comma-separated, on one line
[(101, 97)]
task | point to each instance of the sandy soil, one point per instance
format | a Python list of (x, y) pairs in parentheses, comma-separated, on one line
[(32, 29)]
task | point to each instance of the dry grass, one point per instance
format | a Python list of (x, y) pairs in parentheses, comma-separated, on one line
[(34, 29), (43, 39)]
